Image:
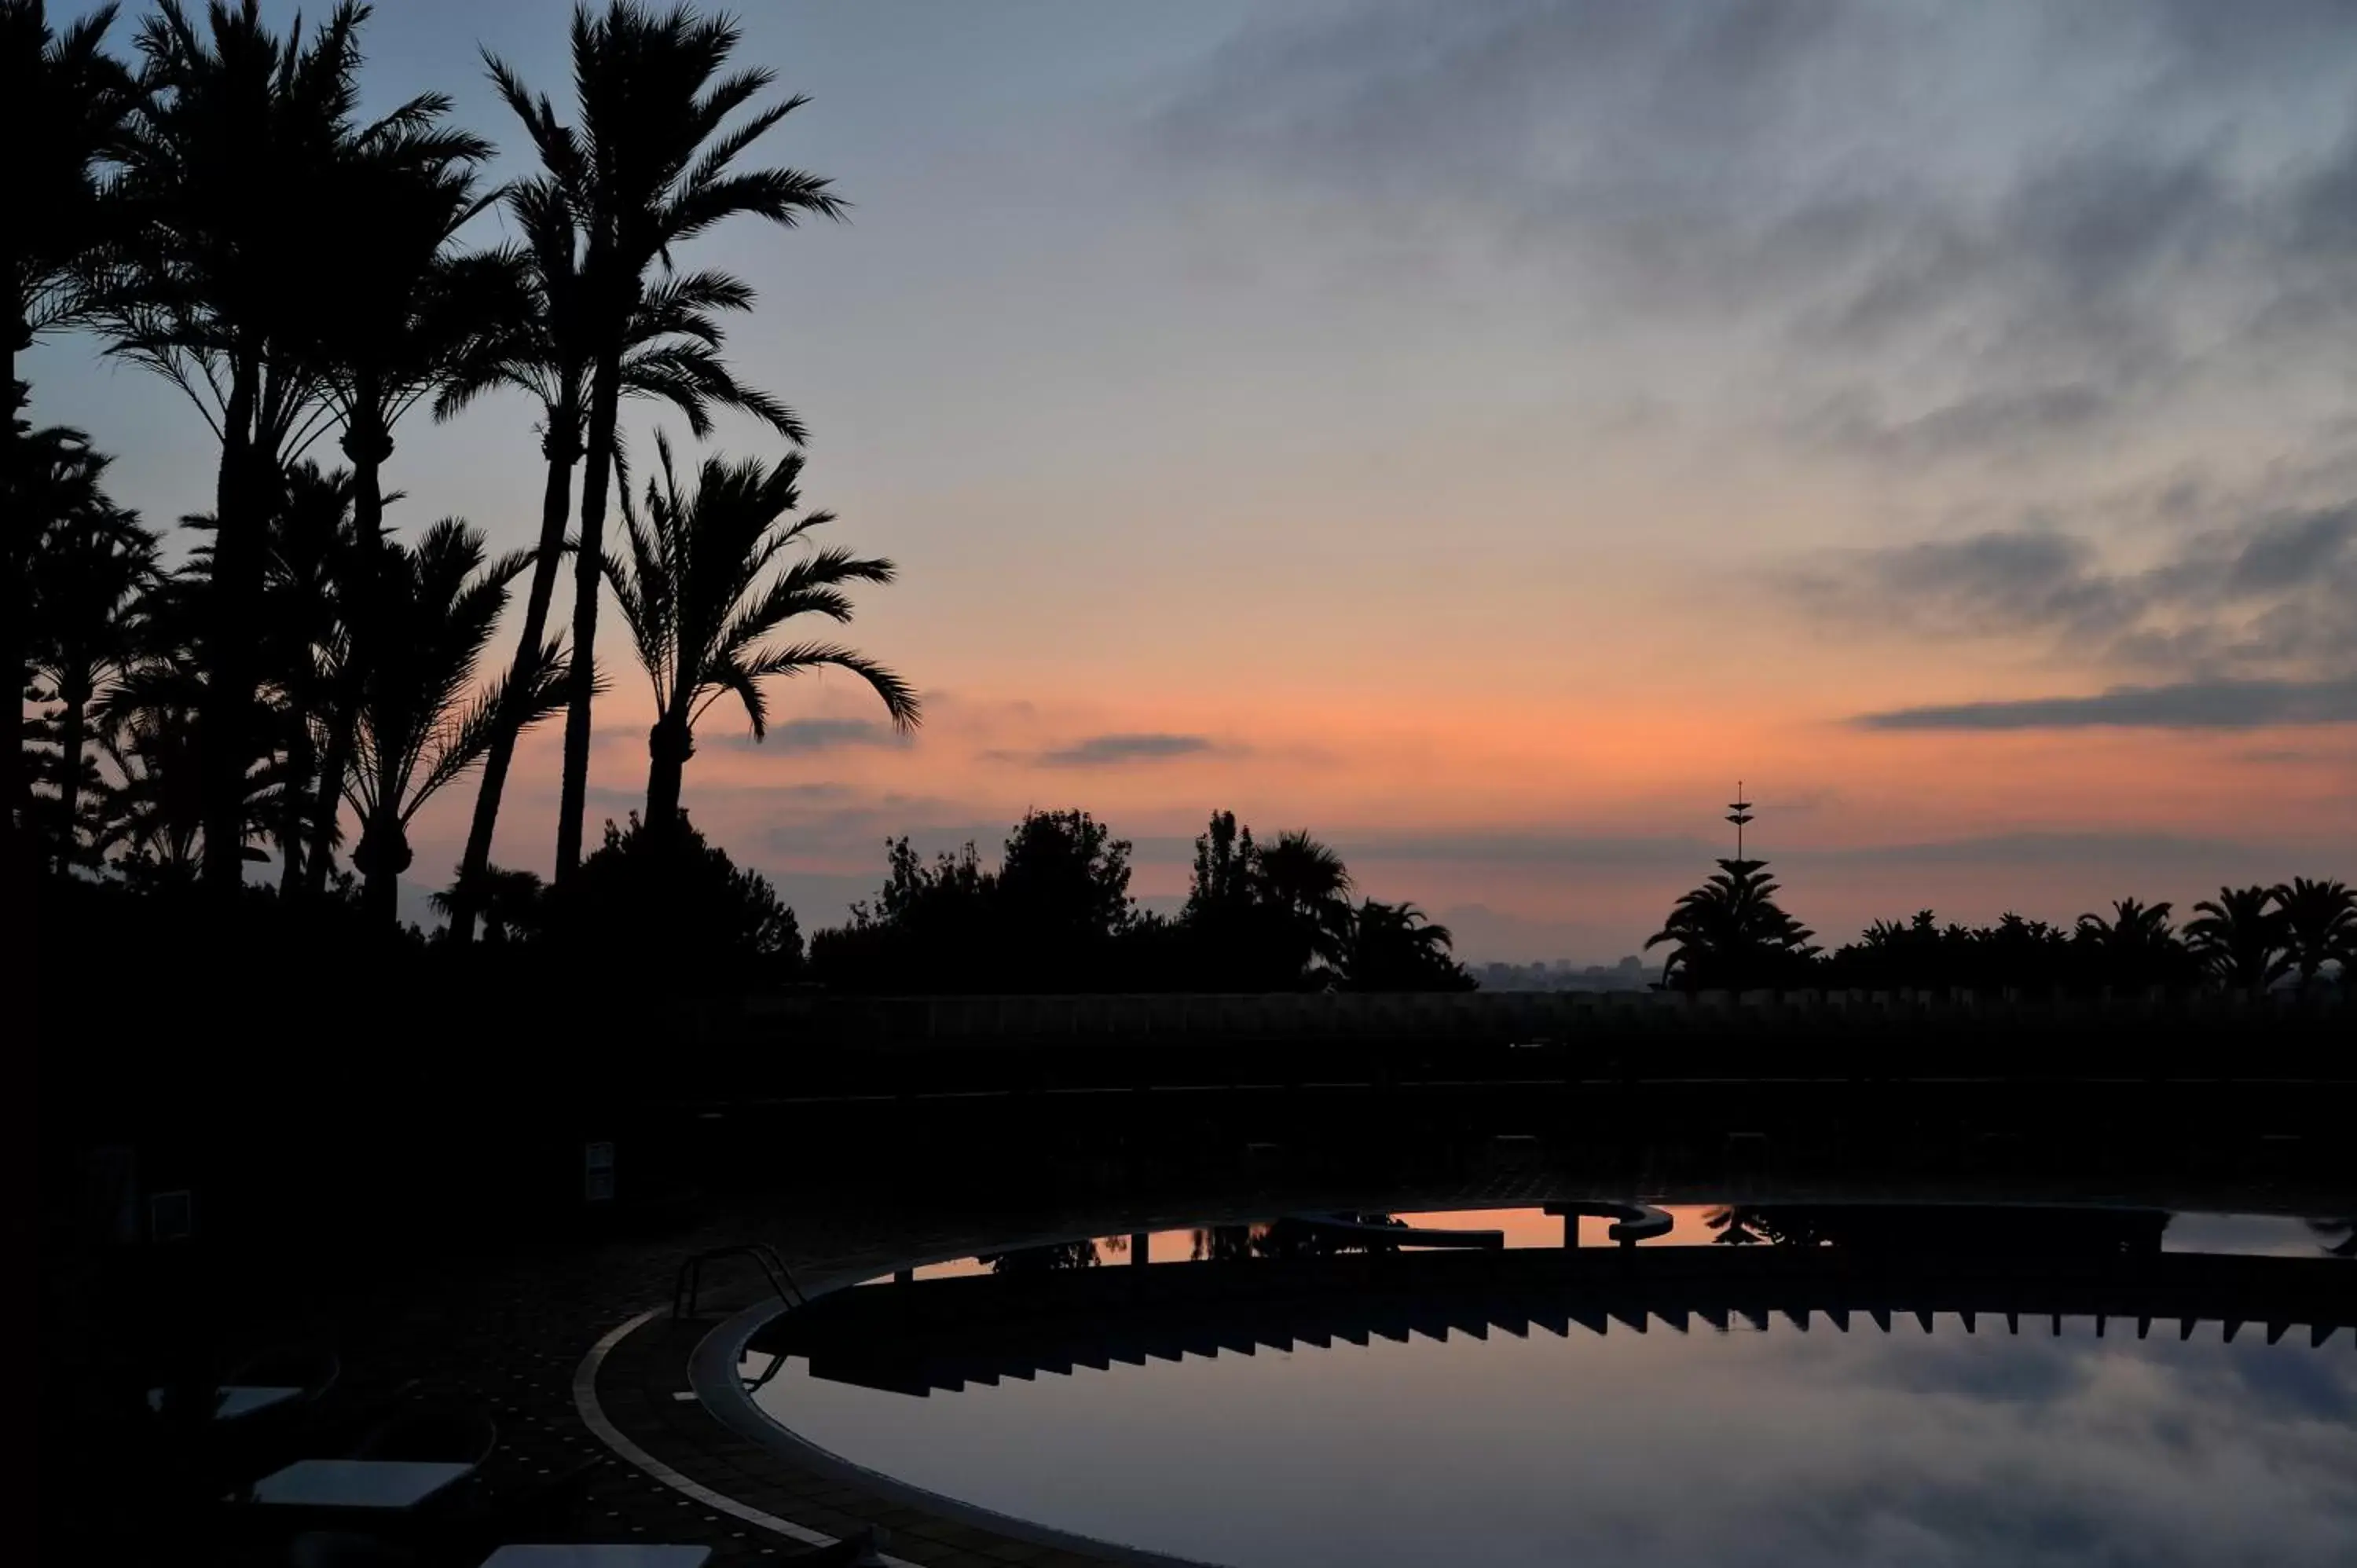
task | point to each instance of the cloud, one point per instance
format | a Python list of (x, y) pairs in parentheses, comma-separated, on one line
[(2189, 705), (802, 735), (1115, 750), (2254, 623), (1968, 230)]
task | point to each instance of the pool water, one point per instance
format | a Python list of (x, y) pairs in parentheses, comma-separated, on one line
[(1557, 1436)]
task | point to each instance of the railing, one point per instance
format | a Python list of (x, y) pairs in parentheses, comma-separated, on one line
[(1479, 1015), (688, 1284)]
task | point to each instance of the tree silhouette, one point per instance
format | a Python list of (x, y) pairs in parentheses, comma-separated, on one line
[(1393, 946), (223, 286), (1730, 933), (509, 902), (2240, 936), (671, 354), (89, 560), (312, 572), (650, 165), (696, 592), (676, 907), (432, 610), (2319, 924), (2135, 946), (1309, 883), (66, 102)]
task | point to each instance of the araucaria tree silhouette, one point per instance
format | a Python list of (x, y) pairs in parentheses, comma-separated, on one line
[(1730, 934), (701, 600), (650, 165)]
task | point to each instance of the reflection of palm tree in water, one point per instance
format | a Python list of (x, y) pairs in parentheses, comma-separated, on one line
[(1290, 1238), (1907, 1227), (1224, 1244), (1743, 1227), (1052, 1258)]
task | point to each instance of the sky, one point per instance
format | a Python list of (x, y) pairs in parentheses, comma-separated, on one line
[(1482, 435)]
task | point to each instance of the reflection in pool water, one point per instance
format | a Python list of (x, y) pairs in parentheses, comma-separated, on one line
[(1736, 1446)]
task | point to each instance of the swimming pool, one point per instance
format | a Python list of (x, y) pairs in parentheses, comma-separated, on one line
[(1852, 1384)]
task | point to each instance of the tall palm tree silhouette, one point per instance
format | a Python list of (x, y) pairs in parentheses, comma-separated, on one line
[(415, 312), (66, 103), (314, 567), (650, 165), (692, 591), (433, 610), (2320, 924), (225, 283), (2240, 936), (89, 560), (670, 353)]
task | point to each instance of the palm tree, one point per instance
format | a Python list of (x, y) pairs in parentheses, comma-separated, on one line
[(1730, 931), (66, 101), (90, 559), (651, 166), (151, 726), (2320, 924), (154, 810), (433, 610), (1394, 947), (224, 284), (693, 594), (414, 317), (2135, 946), (2240, 936), (671, 353), (508, 900), (311, 571), (1308, 881)]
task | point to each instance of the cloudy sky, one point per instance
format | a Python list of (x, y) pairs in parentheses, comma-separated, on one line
[(1483, 432)]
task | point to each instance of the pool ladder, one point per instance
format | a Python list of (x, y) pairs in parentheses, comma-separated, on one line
[(689, 1283)]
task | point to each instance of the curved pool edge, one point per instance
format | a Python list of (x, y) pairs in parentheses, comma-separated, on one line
[(593, 1415), (712, 1374)]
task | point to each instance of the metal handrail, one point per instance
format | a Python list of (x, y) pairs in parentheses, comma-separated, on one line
[(688, 1284)]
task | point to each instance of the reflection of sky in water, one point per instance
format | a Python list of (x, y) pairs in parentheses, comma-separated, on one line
[(1741, 1448), (2267, 1235)]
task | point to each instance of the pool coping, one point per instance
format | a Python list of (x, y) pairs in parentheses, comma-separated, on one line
[(712, 1373)]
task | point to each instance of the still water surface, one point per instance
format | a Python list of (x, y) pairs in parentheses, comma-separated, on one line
[(1736, 1447)]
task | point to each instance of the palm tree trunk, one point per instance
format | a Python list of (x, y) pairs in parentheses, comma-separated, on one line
[(76, 721), (15, 783), (300, 756), (383, 855), (327, 803), (367, 444), (230, 641), (555, 511), (589, 571), (669, 745)]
